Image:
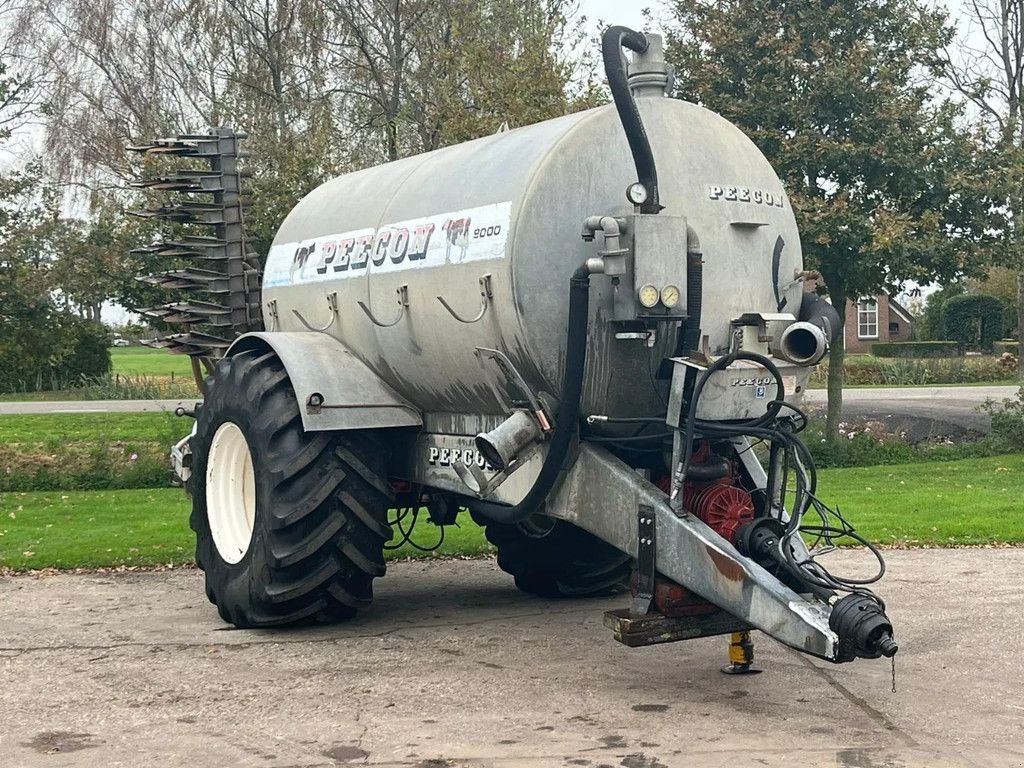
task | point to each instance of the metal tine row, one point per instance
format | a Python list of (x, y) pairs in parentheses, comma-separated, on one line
[(230, 273)]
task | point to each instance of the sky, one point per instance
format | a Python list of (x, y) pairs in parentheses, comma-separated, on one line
[(627, 13)]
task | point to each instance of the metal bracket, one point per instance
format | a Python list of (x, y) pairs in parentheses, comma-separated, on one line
[(403, 302), (647, 544), (272, 311), (485, 294), (639, 631), (332, 303), (511, 376)]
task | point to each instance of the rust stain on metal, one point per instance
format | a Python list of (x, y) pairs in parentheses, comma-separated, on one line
[(728, 567)]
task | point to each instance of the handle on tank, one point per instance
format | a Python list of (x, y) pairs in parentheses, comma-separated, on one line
[(485, 301), (332, 302), (403, 302), (612, 43)]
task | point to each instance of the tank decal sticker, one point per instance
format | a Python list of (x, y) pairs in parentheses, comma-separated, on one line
[(474, 234)]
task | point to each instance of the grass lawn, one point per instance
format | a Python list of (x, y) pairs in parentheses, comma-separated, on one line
[(948, 503), (143, 361), (91, 427), (976, 501), (85, 529)]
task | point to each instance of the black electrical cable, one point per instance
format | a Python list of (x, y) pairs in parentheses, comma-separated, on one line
[(782, 430), (406, 535), (692, 421), (633, 439), (632, 419)]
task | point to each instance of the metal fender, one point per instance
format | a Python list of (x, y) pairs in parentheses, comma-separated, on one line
[(336, 390)]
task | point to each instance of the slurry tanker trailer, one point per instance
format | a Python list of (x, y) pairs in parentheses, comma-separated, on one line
[(592, 333)]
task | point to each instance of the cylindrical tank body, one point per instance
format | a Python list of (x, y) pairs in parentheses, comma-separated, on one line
[(510, 206)]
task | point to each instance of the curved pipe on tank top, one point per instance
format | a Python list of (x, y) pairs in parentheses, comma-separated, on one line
[(612, 43)]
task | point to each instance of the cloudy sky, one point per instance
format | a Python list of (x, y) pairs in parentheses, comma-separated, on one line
[(627, 13)]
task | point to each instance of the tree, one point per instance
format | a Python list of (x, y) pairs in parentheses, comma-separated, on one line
[(931, 325), (885, 184), (320, 88), (426, 74), (990, 74), (1000, 282), (92, 263), (973, 321), (40, 346)]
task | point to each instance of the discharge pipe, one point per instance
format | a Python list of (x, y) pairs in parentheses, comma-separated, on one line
[(805, 342), (568, 406), (612, 43)]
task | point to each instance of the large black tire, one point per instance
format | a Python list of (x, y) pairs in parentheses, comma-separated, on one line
[(553, 558), (321, 502)]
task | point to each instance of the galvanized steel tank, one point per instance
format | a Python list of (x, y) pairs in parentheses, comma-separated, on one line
[(510, 207)]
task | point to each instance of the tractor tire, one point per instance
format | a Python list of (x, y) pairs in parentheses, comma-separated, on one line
[(553, 558), (290, 525)]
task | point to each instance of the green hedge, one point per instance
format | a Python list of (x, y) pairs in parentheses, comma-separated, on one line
[(1000, 347), (915, 349), (974, 320), (46, 350)]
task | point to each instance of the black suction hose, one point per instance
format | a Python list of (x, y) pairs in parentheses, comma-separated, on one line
[(612, 43), (568, 410), (816, 311)]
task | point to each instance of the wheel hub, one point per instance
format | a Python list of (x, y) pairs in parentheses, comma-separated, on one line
[(230, 492)]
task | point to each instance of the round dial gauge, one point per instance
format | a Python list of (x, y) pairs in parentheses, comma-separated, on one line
[(649, 296), (636, 193), (670, 296)]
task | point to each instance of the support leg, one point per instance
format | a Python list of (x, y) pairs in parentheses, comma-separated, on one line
[(741, 655)]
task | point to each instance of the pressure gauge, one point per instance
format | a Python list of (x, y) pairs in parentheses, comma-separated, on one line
[(636, 193), (670, 296), (649, 296)]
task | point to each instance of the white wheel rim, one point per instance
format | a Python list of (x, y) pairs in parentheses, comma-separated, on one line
[(230, 492)]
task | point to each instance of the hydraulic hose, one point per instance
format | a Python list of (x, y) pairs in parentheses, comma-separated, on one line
[(568, 410), (612, 43), (692, 422)]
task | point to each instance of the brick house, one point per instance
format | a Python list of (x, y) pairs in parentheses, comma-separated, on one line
[(876, 319)]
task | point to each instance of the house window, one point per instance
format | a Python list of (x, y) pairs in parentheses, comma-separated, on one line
[(894, 329), (867, 318)]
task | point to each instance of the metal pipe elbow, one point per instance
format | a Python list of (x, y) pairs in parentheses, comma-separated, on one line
[(803, 343)]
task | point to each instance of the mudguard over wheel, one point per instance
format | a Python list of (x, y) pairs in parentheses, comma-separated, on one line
[(290, 526), (553, 558)]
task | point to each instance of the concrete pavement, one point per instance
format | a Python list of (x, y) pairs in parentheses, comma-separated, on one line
[(963, 395), (453, 667)]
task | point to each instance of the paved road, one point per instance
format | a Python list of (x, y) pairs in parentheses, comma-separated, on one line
[(453, 667), (921, 412), (956, 404), (95, 406)]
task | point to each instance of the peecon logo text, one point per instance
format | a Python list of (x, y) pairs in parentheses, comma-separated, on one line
[(452, 237), (356, 252)]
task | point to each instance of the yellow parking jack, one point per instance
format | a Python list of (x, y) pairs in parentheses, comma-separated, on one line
[(741, 655)]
